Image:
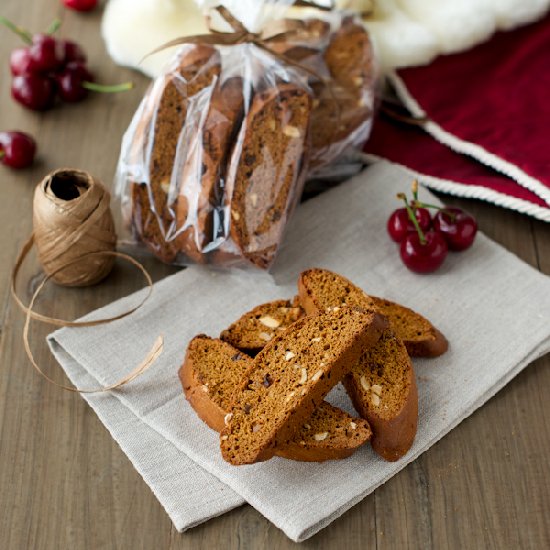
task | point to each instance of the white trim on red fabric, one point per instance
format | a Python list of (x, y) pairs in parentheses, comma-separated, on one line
[(466, 147), (473, 192)]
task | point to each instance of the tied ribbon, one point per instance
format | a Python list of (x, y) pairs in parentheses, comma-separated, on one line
[(277, 31)]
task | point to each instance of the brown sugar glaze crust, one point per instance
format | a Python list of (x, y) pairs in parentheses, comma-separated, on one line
[(203, 179), (279, 395), (209, 375), (267, 170), (157, 139), (319, 289)]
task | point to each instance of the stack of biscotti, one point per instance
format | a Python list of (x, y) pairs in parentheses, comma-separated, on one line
[(263, 383), (213, 369), (222, 143), (219, 159)]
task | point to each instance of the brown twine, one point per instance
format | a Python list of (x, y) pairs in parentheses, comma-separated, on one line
[(313, 4), (71, 217), (83, 254), (396, 113)]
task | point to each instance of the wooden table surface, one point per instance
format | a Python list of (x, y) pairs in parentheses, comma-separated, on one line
[(64, 482)]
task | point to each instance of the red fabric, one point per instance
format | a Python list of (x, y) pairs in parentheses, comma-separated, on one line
[(496, 95), (412, 147)]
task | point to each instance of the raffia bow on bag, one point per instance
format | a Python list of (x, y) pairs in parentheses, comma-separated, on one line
[(275, 31)]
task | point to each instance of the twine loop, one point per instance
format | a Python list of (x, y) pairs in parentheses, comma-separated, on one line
[(75, 238)]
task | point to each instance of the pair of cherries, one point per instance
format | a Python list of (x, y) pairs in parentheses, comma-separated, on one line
[(47, 68), (424, 241)]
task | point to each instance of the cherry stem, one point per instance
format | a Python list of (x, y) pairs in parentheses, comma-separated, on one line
[(413, 219), (19, 31), (419, 204), (415, 190), (92, 86), (2, 154), (54, 26)]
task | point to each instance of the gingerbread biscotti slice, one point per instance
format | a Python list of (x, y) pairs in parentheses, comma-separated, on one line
[(156, 141), (383, 390), (251, 332), (344, 113), (289, 379), (211, 371), (321, 290), (267, 170), (200, 199)]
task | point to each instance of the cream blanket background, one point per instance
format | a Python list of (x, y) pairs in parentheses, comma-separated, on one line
[(406, 32)]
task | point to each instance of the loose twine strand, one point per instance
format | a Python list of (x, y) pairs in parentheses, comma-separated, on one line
[(81, 254)]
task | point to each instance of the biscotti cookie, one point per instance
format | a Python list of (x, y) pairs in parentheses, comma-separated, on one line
[(200, 198), (305, 45), (289, 379), (344, 104), (321, 290), (251, 332), (211, 371), (382, 387), (267, 170), (157, 141)]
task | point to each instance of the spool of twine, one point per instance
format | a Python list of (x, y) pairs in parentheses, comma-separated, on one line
[(75, 237), (71, 218)]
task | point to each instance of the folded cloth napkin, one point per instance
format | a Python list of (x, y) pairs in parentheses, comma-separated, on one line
[(488, 106), (494, 309)]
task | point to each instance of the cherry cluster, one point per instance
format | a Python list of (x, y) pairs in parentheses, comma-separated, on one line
[(425, 240), (48, 67)]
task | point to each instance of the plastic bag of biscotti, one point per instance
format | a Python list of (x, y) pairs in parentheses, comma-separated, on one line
[(335, 51), (216, 156)]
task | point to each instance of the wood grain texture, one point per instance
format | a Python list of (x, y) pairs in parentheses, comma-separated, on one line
[(64, 483)]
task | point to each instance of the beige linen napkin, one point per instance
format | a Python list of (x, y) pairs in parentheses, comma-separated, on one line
[(494, 309)]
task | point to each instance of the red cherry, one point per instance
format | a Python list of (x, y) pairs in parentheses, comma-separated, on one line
[(72, 52), (46, 53), (33, 91), (17, 149), (80, 5), (457, 227), (21, 61), (423, 258), (399, 224), (69, 82)]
